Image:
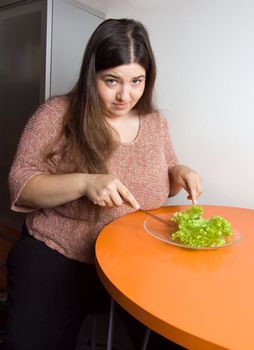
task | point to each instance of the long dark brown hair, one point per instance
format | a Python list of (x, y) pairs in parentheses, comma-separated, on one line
[(88, 138)]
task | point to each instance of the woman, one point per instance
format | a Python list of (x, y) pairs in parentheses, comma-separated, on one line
[(83, 160)]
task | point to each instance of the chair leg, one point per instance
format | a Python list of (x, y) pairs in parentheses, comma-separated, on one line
[(111, 324), (146, 339)]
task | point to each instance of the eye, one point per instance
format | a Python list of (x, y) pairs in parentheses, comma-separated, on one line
[(111, 82), (137, 81)]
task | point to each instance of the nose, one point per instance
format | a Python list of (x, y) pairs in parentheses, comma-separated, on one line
[(123, 93)]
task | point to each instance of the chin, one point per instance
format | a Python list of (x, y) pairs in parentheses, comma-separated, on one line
[(120, 112)]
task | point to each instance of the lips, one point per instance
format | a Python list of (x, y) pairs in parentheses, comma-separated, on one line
[(121, 105)]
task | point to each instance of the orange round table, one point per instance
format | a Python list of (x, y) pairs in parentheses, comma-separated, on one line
[(200, 299)]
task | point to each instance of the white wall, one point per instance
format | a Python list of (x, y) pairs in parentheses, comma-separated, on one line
[(205, 87), (72, 27)]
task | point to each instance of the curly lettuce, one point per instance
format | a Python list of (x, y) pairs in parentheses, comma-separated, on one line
[(197, 231)]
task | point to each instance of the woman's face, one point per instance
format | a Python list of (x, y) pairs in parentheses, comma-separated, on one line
[(120, 88)]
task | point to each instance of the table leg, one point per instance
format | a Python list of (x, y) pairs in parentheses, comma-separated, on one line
[(146, 339), (111, 322), (93, 340), (110, 329)]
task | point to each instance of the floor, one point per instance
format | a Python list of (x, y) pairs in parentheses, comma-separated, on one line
[(121, 340)]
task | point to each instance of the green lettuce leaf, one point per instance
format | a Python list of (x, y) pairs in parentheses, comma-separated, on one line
[(197, 231)]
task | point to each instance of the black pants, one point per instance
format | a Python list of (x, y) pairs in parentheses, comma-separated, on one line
[(49, 296)]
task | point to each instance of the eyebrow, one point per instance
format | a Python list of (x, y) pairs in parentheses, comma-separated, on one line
[(117, 77)]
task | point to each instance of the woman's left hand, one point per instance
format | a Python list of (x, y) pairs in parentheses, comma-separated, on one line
[(185, 177)]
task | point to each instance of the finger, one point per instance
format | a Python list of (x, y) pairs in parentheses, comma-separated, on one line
[(194, 202), (100, 203), (109, 204), (191, 193), (116, 199), (128, 197), (193, 198), (195, 193), (102, 199), (106, 198), (193, 186)]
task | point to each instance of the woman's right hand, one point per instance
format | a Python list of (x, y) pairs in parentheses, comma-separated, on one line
[(108, 190), (47, 191)]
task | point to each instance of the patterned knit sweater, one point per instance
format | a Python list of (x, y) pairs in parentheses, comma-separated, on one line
[(142, 166)]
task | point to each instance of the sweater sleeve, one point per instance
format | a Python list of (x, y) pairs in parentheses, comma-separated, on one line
[(168, 146), (40, 130)]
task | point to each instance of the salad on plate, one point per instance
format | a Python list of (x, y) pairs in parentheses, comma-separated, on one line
[(196, 231)]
